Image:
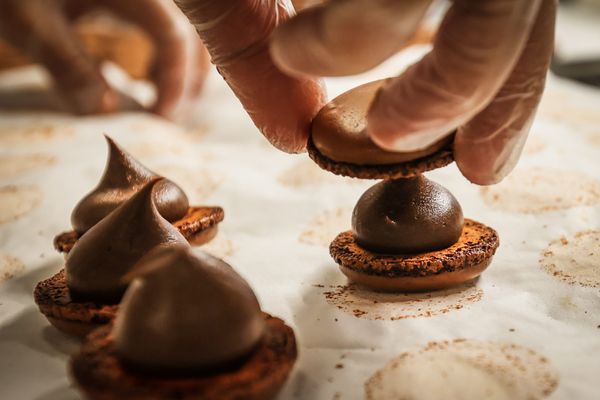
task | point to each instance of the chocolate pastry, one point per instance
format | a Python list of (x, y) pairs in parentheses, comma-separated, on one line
[(407, 216), (124, 176), (209, 315), (97, 267), (189, 327), (408, 233), (339, 142)]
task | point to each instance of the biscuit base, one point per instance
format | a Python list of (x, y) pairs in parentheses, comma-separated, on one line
[(101, 375), (193, 226), (408, 284), (407, 169), (68, 316), (462, 262)]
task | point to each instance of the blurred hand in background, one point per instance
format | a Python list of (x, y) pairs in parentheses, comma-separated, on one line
[(42, 30)]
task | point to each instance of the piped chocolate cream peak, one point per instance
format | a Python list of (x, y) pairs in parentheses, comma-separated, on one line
[(339, 131), (407, 216), (101, 258), (124, 176), (186, 312)]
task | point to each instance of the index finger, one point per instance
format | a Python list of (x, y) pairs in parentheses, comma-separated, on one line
[(236, 34)]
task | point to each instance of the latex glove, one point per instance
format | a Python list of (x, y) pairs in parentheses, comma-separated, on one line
[(236, 34), (484, 76), (41, 29)]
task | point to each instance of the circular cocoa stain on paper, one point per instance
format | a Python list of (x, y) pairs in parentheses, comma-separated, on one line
[(16, 201), (575, 259), (564, 107), (39, 133), (197, 183), (536, 190), (465, 369), (306, 173), (363, 303), (326, 226), (10, 267), (147, 150), (15, 164)]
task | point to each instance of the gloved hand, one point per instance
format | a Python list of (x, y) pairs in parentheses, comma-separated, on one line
[(41, 29), (483, 78)]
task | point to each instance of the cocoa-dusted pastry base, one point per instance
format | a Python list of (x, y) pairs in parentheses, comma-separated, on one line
[(407, 169), (101, 375), (459, 263), (71, 317), (198, 226)]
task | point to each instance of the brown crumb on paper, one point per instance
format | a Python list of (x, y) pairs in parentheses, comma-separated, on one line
[(363, 303)]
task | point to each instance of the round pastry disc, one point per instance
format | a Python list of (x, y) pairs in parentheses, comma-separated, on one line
[(463, 261), (71, 317), (340, 143), (198, 226), (406, 169), (100, 374)]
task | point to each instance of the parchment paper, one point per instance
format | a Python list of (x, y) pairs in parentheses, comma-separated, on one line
[(529, 328)]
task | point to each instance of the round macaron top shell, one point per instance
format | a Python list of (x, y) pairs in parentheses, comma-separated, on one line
[(187, 312), (339, 131), (407, 216), (123, 177)]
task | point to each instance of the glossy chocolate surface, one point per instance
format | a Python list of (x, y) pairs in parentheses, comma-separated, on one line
[(339, 131), (186, 311), (407, 216), (124, 176), (99, 261)]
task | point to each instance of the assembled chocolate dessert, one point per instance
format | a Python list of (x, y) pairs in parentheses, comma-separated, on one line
[(123, 177), (189, 327), (86, 293), (408, 233)]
